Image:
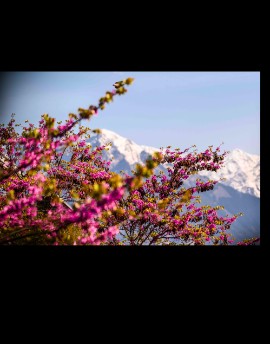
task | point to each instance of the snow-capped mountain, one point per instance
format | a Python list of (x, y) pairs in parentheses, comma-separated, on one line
[(241, 170), (240, 191), (125, 153)]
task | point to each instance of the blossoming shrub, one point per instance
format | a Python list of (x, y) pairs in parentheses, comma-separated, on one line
[(45, 199)]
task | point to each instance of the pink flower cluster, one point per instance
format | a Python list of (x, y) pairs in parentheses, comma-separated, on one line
[(163, 211)]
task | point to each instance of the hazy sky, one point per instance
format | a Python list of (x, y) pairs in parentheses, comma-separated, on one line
[(160, 108)]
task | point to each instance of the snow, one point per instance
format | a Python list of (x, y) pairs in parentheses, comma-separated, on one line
[(128, 148), (241, 171)]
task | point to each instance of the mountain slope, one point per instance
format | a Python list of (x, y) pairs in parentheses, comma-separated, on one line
[(242, 172), (246, 226), (125, 153)]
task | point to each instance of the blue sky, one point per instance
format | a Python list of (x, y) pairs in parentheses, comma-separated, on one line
[(160, 109)]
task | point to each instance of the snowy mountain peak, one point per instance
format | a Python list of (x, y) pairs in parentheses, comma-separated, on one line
[(241, 171), (110, 135), (125, 152), (237, 153)]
